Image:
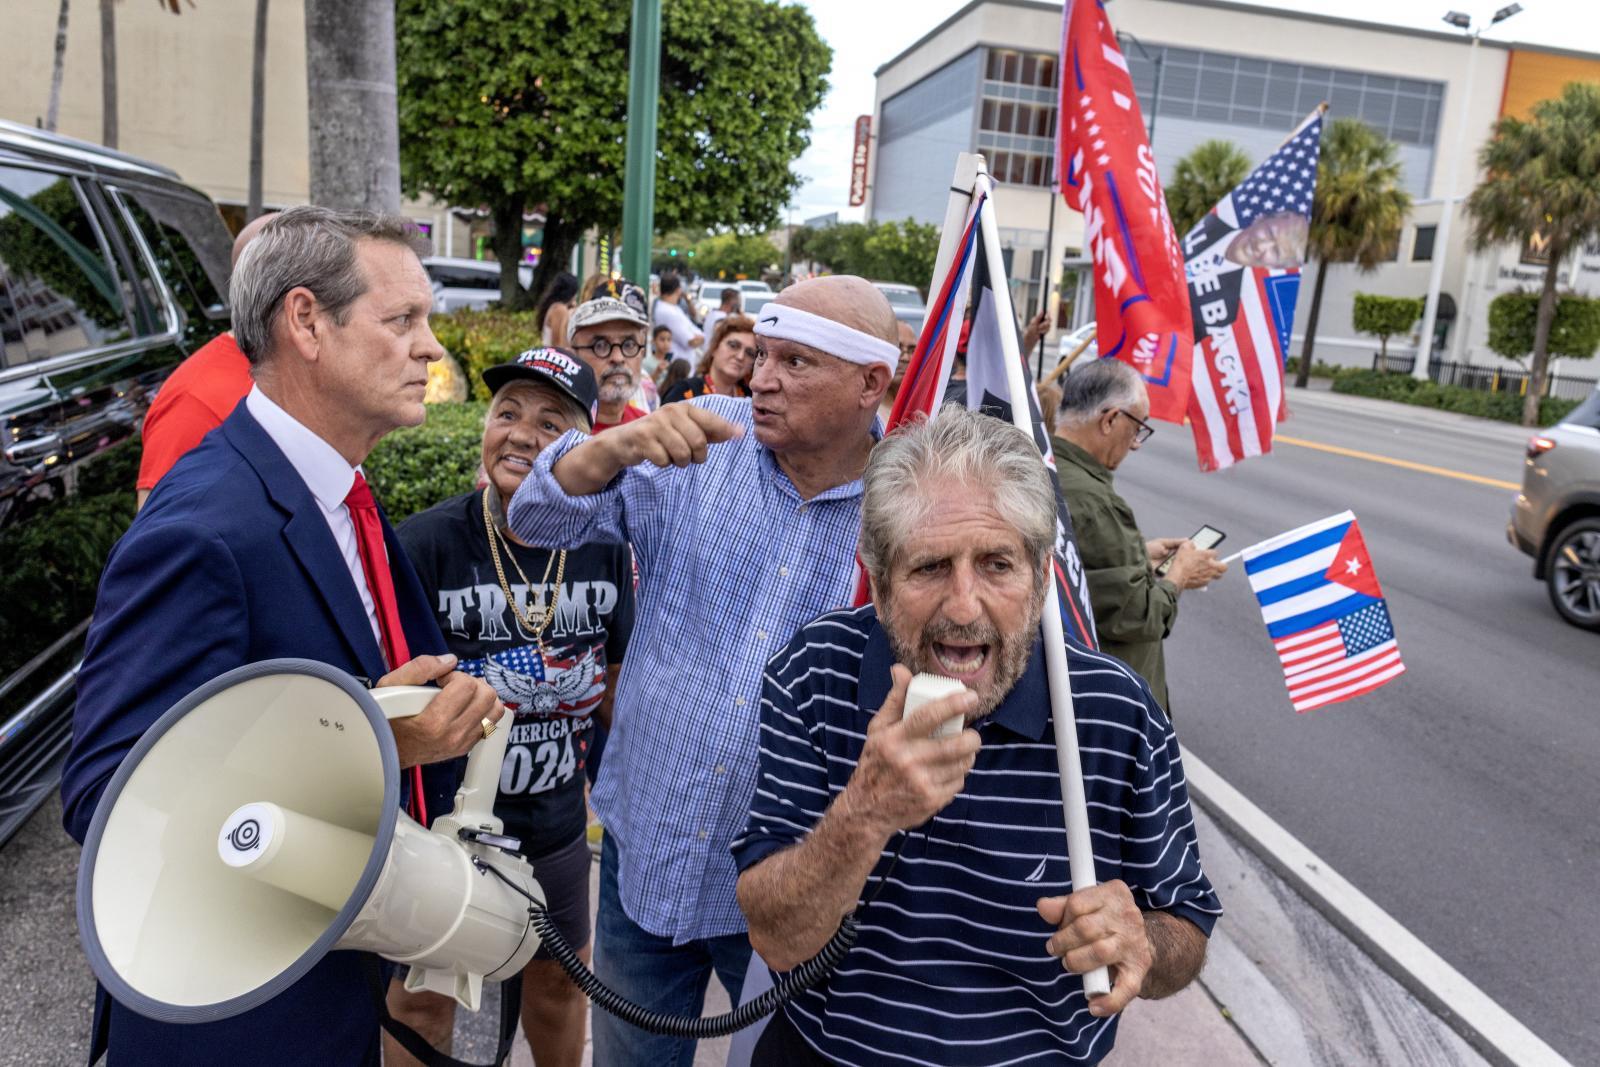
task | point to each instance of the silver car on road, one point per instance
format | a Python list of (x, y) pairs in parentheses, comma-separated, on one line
[(1556, 517)]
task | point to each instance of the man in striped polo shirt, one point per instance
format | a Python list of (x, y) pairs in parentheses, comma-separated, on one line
[(952, 850)]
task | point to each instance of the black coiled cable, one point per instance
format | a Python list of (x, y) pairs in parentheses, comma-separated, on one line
[(802, 978)]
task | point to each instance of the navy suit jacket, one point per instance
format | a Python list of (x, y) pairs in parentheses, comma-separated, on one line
[(230, 562)]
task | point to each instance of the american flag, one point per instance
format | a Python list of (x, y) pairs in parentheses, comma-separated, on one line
[(1324, 611), (1242, 263)]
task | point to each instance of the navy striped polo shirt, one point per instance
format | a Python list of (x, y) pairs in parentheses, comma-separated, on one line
[(950, 964)]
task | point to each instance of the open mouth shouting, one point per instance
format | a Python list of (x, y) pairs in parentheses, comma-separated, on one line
[(965, 661)]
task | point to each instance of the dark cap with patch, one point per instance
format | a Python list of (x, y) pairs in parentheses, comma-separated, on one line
[(555, 367)]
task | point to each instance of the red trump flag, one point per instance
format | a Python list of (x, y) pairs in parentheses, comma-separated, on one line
[(1106, 171)]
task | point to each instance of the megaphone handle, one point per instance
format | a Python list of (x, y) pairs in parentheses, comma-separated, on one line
[(475, 799)]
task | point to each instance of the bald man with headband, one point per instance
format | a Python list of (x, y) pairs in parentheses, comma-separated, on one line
[(743, 515)]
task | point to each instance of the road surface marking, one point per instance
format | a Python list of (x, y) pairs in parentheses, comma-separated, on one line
[(1373, 457), (1466, 1009)]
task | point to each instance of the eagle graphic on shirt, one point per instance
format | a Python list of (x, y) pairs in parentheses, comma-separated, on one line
[(566, 682)]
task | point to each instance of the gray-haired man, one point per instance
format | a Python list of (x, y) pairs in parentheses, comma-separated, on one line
[(951, 849), (1104, 415), (264, 543)]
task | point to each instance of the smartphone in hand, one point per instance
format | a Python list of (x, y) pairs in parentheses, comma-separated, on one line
[(1205, 537)]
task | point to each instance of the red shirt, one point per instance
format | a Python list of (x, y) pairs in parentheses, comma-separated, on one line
[(629, 413), (192, 402)]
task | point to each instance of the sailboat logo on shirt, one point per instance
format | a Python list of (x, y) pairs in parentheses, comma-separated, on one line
[(1038, 872)]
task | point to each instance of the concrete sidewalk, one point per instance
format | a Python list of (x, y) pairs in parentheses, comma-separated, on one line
[(1281, 985)]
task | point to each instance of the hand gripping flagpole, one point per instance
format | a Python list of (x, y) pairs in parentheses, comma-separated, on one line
[(1075, 807)]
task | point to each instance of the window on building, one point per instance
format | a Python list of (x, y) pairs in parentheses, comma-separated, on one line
[(1226, 88), (1422, 247), (61, 294)]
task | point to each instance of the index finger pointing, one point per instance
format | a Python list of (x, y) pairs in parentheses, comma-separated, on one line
[(714, 426)]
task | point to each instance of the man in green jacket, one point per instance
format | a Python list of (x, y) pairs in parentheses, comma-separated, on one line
[(1103, 413)]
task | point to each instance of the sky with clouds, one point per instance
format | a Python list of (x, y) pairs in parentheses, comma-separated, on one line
[(865, 34)]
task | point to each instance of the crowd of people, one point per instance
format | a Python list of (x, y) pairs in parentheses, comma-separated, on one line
[(662, 568)]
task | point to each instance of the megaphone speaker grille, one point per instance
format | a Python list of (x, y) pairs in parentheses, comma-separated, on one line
[(171, 929)]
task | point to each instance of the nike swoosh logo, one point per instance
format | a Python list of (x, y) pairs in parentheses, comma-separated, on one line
[(769, 318)]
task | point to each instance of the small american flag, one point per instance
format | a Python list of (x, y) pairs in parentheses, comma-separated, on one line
[(1324, 611)]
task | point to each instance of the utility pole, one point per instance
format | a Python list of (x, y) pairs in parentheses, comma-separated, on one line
[(639, 185), (1441, 241)]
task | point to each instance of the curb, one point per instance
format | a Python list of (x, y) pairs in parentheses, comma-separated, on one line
[(1460, 1004)]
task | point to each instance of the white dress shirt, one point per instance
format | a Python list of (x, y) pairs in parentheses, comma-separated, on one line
[(329, 477)]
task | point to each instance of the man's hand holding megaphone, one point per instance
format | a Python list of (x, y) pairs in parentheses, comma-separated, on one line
[(453, 721)]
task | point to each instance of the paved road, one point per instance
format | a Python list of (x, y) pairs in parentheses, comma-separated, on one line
[(1463, 797)]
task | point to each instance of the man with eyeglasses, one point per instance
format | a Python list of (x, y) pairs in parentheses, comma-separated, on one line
[(609, 335), (1103, 417)]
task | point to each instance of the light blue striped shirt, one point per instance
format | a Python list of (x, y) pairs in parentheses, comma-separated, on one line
[(731, 563)]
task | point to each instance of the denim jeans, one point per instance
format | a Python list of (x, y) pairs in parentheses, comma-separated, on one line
[(654, 973)]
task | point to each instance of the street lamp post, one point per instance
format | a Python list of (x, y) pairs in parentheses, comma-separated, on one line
[(1155, 101), (1441, 242), (639, 184)]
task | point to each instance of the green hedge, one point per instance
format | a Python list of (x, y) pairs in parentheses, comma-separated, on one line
[(1319, 369), (1404, 389), (482, 339), (413, 469)]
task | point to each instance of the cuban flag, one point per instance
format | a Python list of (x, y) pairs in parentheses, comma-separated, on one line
[(1242, 264), (1324, 611)]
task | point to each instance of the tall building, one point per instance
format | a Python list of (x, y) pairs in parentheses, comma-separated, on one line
[(986, 80)]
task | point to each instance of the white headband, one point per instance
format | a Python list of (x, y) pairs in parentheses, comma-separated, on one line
[(788, 323)]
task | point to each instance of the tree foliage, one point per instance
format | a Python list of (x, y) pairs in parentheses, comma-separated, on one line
[(883, 251), (1385, 316), (1514, 318), (1542, 175), (1201, 179), (519, 106), (1357, 213), (731, 255)]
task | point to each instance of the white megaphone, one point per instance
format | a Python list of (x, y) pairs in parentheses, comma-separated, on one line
[(257, 826)]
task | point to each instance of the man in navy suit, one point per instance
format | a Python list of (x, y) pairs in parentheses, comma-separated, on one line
[(249, 550)]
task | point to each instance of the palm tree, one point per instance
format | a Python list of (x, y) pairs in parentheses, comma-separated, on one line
[(355, 124), (258, 94), (108, 73), (1201, 179), (1542, 176), (1357, 213), (53, 109)]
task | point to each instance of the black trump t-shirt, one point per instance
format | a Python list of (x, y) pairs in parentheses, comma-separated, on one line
[(552, 696)]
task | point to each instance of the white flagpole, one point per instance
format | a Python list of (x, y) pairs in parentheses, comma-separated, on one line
[(1075, 807)]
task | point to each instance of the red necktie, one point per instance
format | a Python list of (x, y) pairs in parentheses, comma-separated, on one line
[(380, 583)]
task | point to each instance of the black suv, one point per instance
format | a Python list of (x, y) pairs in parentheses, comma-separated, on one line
[(111, 271)]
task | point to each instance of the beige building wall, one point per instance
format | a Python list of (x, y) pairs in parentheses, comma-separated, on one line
[(183, 88)]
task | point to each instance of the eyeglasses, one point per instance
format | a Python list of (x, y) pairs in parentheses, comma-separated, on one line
[(739, 348), (602, 348), (1145, 430)]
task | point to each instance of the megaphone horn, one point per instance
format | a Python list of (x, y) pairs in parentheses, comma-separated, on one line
[(256, 826)]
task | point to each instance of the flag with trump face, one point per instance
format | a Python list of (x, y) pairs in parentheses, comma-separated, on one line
[(1105, 170), (1242, 262), (1324, 611)]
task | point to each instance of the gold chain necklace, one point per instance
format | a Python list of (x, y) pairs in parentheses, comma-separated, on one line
[(496, 539)]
